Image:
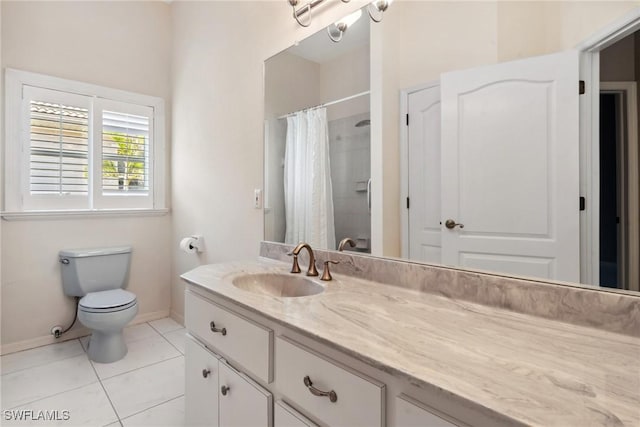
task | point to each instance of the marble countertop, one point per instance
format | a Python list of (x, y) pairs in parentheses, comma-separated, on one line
[(534, 371)]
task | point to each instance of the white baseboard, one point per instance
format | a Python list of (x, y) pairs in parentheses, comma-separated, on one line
[(177, 317), (77, 332), (148, 317)]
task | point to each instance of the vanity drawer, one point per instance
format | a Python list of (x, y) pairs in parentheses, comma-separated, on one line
[(239, 339), (411, 413), (353, 391), (285, 416)]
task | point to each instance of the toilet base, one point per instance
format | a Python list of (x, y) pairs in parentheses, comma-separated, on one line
[(106, 347)]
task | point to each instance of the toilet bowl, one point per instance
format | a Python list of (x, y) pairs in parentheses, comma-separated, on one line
[(106, 313), (99, 276)]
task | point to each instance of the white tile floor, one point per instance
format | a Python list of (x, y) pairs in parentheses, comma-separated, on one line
[(146, 388)]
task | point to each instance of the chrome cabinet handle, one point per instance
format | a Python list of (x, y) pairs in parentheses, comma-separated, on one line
[(450, 224), (333, 397), (212, 325), (205, 373), (224, 389)]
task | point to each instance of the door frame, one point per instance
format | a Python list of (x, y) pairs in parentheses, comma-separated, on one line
[(404, 161), (630, 214), (590, 139)]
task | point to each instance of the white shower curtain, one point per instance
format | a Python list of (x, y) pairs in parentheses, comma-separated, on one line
[(307, 181)]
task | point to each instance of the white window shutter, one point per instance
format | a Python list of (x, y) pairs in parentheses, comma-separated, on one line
[(123, 159), (56, 150)]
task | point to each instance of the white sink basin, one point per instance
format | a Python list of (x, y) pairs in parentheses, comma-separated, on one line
[(277, 285)]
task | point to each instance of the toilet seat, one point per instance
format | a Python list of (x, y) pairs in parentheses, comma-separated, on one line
[(107, 301)]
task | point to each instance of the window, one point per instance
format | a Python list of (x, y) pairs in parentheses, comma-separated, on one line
[(72, 146)]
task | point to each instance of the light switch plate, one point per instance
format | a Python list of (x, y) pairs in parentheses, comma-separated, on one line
[(257, 198)]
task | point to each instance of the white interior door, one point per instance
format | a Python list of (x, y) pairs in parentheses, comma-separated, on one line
[(510, 167), (423, 138)]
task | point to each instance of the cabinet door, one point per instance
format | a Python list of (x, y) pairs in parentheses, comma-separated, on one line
[(410, 413), (243, 403), (286, 416), (201, 391)]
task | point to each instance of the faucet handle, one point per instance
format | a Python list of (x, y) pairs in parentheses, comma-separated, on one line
[(326, 274), (295, 268)]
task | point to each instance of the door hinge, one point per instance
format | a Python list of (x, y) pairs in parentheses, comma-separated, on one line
[(582, 87), (407, 203), (583, 203), (407, 120)]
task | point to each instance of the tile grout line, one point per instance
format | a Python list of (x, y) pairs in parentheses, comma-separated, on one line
[(140, 367), (154, 406), (163, 335), (172, 344), (52, 395), (45, 363), (115, 411), (166, 332)]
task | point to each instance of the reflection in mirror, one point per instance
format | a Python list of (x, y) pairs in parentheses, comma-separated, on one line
[(490, 148), (317, 141)]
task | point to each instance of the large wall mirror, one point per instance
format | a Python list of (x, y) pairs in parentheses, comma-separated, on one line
[(492, 173), (317, 140)]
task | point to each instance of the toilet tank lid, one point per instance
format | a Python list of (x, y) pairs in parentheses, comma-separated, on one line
[(80, 253)]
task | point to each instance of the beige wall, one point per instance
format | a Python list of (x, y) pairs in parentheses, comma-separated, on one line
[(344, 76), (122, 45), (218, 54)]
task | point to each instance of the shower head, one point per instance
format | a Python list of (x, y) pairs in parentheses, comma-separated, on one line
[(362, 123)]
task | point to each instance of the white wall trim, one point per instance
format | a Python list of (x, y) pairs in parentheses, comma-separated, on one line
[(404, 162), (73, 334), (177, 317), (15, 82), (632, 212), (82, 214), (590, 137), (615, 31)]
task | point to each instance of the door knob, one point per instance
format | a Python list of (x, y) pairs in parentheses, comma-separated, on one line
[(450, 224)]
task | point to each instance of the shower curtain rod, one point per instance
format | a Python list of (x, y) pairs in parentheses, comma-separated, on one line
[(326, 104)]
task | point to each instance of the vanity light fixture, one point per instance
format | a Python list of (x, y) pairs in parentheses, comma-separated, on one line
[(337, 29), (306, 9), (377, 8)]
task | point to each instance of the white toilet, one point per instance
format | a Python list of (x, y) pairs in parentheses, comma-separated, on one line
[(98, 276)]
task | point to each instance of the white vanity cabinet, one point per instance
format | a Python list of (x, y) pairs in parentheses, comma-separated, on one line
[(411, 413), (238, 360), (333, 394), (242, 402), (241, 340), (285, 416), (201, 377), (219, 395)]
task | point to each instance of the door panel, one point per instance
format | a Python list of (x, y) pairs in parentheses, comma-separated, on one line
[(201, 391), (424, 175), (510, 167), (243, 403)]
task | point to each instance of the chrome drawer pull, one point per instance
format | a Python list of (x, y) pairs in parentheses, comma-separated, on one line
[(223, 331), (205, 372), (332, 394), (224, 389)]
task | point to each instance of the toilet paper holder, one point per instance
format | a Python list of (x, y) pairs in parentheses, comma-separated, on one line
[(191, 244), (197, 243)]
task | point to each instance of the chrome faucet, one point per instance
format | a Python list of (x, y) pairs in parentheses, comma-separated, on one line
[(312, 271), (344, 242)]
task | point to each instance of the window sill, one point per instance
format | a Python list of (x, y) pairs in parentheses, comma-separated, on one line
[(80, 214)]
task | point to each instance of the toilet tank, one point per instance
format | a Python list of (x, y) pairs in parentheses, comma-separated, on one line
[(94, 270)]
